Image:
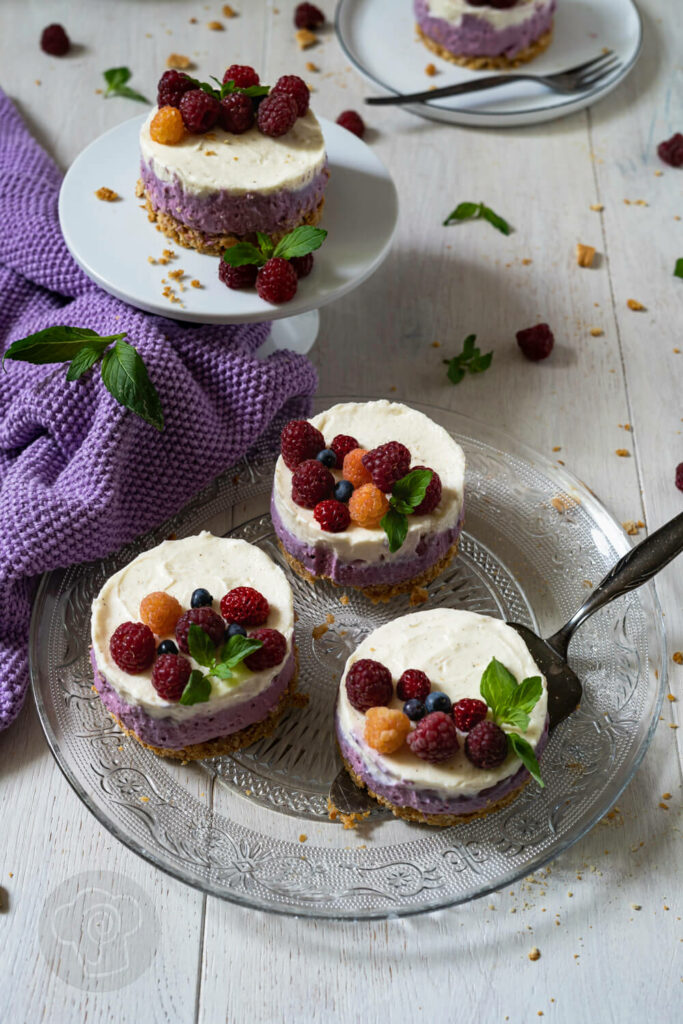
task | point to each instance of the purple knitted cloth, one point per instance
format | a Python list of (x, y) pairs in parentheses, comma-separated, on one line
[(79, 475)]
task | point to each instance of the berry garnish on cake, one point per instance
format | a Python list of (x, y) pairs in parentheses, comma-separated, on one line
[(193, 648), (455, 737), (273, 267), (369, 496)]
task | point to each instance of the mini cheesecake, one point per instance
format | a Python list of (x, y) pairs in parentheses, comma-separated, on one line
[(485, 34), (238, 710), (358, 555), (210, 191), (452, 648)]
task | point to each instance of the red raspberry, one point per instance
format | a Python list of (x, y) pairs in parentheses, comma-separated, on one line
[(276, 281), (295, 87), (299, 441), (536, 342), (469, 712), (369, 685), (271, 654), (679, 476), (308, 16), (207, 619), (486, 745), (387, 464), (413, 685), (341, 446), (303, 265), (277, 114), (333, 516), (200, 111), (434, 738), (55, 41), (245, 606), (242, 75), (170, 675), (237, 278), (311, 483), (353, 122), (237, 113), (432, 494), (132, 646), (172, 87), (671, 151)]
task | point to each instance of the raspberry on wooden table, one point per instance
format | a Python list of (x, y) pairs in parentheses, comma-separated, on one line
[(271, 654), (386, 729), (368, 684), (55, 41), (353, 469), (300, 441), (308, 16), (413, 684), (237, 113), (295, 87), (387, 464), (333, 516), (368, 506), (242, 75), (132, 646), (200, 111), (245, 606), (311, 483), (237, 278), (207, 619), (671, 151), (277, 114), (469, 712), (432, 494), (353, 122), (167, 126), (170, 675), (341, 446), (160, 611), (536, 342), (172, 87), (679, 476), (434, 738), (486, 745), (276, 281)]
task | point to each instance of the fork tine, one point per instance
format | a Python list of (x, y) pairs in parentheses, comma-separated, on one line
[(593, 62), (593, 77)]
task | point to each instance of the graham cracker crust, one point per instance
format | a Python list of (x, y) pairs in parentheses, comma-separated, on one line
[(489, 63), (444, 820), (379, 593), (237, 740), (211, 245)]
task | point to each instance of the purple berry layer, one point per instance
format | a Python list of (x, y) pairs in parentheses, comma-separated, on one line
[(321, 559), (428, 801), (223, 213), (202, 727), (475, 37)]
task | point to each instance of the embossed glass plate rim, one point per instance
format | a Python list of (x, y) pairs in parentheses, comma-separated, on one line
[(482, 435)]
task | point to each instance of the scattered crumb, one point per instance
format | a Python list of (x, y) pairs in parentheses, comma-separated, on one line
[(535, 953), (329, 618), (634, 304), (636, 906), (310, 66), (216, 26), (678, 657), (658, 174), (671, 698), (107, 195), (178, 61), (344, 599), (228, 12), (624, 453), (557, 448), (526, 262), (585, 254), (176, 274), (209, 152), (193, 21), (38, 82), (597, 332), (319, 631), (630, 527), (436, 344), (563, 502), (144, 799), (418, 595), (303, 837), (150, 259), (430, 70), (305, 38), (598, 207), (195, 283), (349, 821), (666, 796)]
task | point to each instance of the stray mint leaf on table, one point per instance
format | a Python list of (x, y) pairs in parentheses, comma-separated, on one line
[(477, 211), (470, 360), (493, 218), (678, 269), (197, 689), (125, 376), (116, 79)]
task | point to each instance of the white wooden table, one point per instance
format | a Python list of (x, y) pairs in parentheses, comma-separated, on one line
[(601, 959)]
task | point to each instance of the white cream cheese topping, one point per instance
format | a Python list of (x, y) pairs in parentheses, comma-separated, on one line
[(453, 647), (178, 567)]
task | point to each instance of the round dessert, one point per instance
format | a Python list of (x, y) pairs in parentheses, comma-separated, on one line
[(486, 34), (370, 496), (210, 187), (193, 646), (412, 725)]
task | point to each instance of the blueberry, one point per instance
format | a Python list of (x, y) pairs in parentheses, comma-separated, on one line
[(327, 457), (167, 647), (343, 490), (414, 709), (437, 701), (201, 598), (234, 629)]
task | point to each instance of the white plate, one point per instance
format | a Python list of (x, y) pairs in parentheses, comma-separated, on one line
[(379, 38), (112, 241)]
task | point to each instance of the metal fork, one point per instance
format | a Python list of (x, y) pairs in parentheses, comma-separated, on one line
[(577, 79)]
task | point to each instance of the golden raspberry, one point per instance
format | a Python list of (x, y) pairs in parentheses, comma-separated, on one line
[(160, 611), (353, 469), (368, 505), (167, 126), (386, 729)]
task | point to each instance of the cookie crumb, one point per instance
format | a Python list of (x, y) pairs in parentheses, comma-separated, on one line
[(150, 259), (418, 596), (636, 906), (563, 502), (310, 66), (228, 12), (303, 837), (195, 283), (178, 61), (107, 195), (144, 799), (670, 697), (585, 254), (430, 70), (216, 26), (305, 38), (598, 207), (535, 953), (319, 631), (526, 262), (666, 796), (597, 332), (634, 305), (344, 599), (630, 527), (623, 453), (678, 657), (176, 274)]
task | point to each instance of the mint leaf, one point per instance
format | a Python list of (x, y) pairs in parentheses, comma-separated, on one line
[(455, 371), (116, 79), (201, 646), (516, 717), (56, 344), (300, 242), (678, 269), (221, 671), (470, 360), (476, 211), (493, 218), (238, 648), (125, 376), (480, 363), (86, 358), (266, 244), (497, 686), (525, 753), (242, 254), (469, 347), (226, 88), (197, 689), (410, 490), (527, 694), (464, 211), (395, 525)]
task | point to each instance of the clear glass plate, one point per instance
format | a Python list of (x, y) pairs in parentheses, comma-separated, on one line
[(535, 540)]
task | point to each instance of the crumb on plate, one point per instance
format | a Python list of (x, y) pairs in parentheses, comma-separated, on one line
[(107, 195)]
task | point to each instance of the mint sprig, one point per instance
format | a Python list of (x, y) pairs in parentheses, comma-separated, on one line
[(477, 211), (220, 662), (298, 242), (197, 689), (123, 371), (227, 88), (406, 495), (116, 79), (470, 360), (678, 269), (511, 703)]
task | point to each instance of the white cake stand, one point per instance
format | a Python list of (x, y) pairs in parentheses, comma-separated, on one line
[(112, 242)]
